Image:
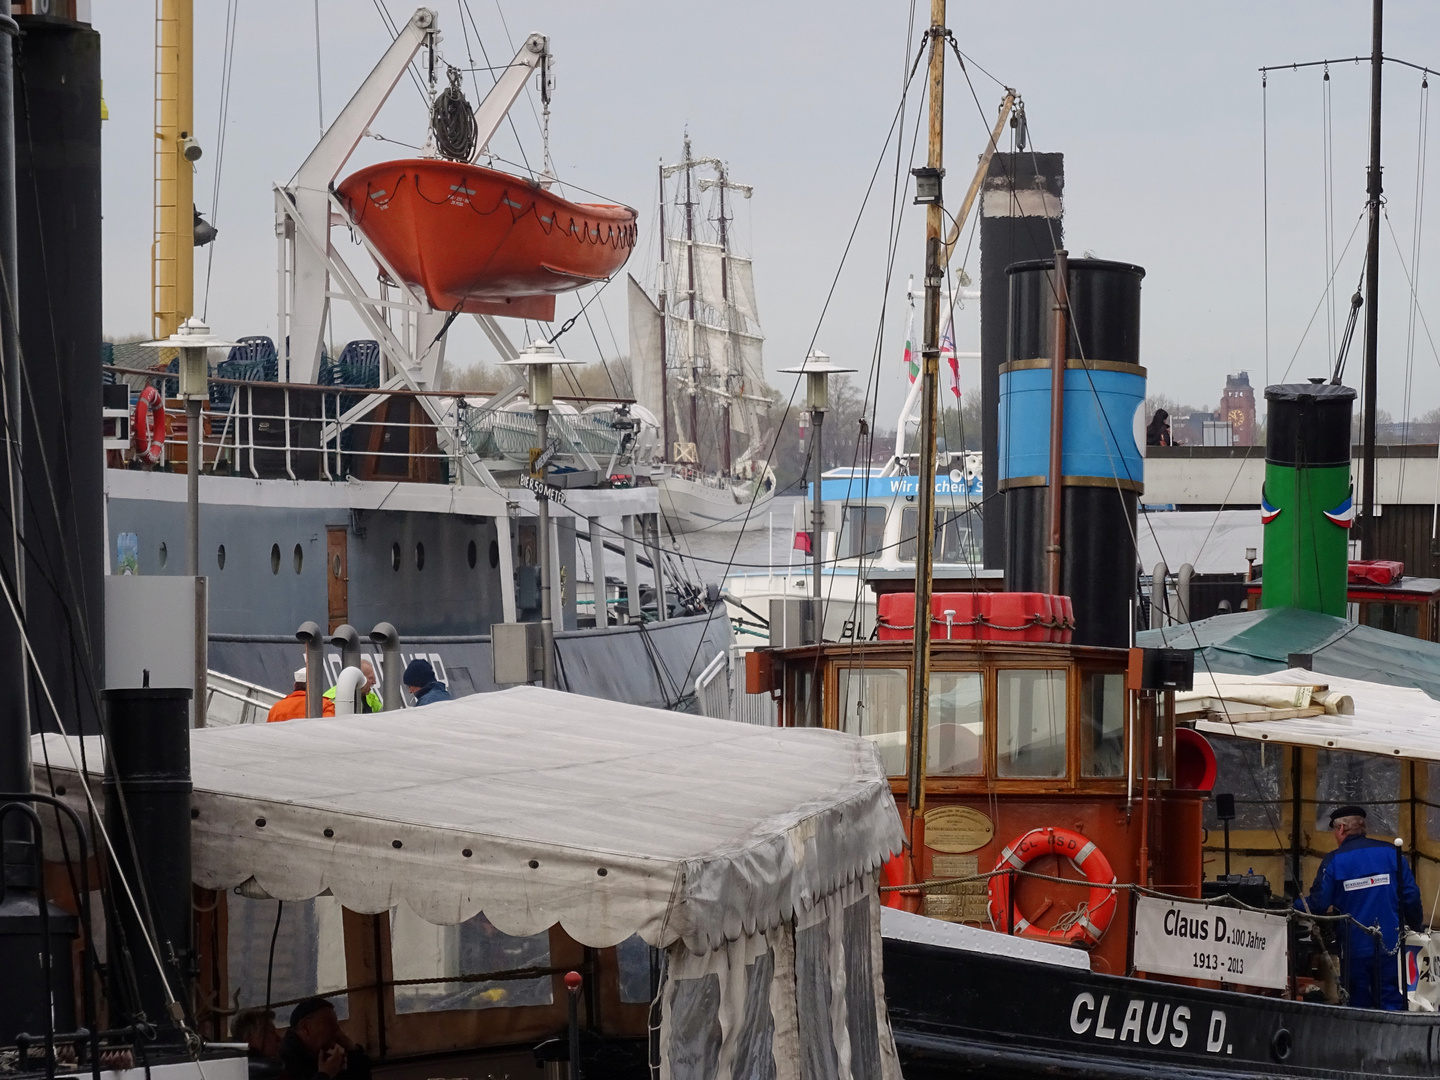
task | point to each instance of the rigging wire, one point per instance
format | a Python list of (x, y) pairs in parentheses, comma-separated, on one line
[(389, 21), (319, 80), (1422, 147), (1327, 173), (1265, 205), (227, 70)]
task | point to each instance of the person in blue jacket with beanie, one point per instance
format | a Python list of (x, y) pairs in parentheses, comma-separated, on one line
[(1369, 880)]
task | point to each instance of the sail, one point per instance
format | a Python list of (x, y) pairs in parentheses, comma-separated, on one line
[(742, 288), (647, 327), (752, 366)]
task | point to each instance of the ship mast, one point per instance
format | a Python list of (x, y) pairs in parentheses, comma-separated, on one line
[(172, 268), (729, 459), (1372, 292), (667, 452), (927, 178), (694, 311)]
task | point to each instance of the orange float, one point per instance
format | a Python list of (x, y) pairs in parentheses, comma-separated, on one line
[(1089, 924), (484, 242)]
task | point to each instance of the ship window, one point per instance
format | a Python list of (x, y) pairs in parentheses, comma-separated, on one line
[(864, 531), (423, 950), (1374, 783), (874, 705), (274, 558), (299, 558), (634, 959), (1030, 723), (953, 540), (1102, 725), (954, 746), (395, 556), (419, 556), (308, 946), (471, 556), (164, 556), (494, 554), (220, 557)]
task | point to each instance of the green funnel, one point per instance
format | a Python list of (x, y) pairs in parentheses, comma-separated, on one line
[(1307, 503)]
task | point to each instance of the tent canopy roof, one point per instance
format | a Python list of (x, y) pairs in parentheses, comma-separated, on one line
[(1260, 642), (539, 807)]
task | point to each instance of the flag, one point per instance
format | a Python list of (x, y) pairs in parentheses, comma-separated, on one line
[(912, 357), (802, 542), (947, 354)]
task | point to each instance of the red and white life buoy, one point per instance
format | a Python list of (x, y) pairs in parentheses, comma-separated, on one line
[(1088, 925), (148, 425)]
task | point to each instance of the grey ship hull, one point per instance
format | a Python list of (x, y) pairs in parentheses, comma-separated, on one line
[(426, 558)]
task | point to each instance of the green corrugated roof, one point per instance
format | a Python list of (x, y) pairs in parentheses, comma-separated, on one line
[(1259, 642)]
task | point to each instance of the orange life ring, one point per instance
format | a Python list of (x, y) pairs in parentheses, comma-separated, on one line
[(148, 426), (892, 872), (1091, 921)]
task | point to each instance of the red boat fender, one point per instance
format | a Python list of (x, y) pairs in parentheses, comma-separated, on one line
[(1087, 924), (1195, 764), (1018, 617), (1063, 612), (148, 424), (895, 616)]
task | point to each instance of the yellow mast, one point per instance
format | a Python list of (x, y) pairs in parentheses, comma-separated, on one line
[(172, 270)]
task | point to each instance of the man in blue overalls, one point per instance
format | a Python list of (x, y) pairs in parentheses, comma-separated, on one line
[(1367, 880)]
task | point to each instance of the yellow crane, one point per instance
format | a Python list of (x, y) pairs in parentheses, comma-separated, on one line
[(172, 253)]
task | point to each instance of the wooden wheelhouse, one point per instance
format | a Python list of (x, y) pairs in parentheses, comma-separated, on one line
[(1022, 735)]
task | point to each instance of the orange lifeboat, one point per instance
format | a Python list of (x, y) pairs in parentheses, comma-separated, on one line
[(485, 242)]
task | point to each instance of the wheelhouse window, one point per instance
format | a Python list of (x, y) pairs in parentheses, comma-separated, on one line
[(1102, 725), (1030, 723), (955, 745), (873, 704), (423, 950), (954, 540), (864, 532)]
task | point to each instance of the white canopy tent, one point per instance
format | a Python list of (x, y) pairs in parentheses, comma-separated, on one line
[(748, 853)]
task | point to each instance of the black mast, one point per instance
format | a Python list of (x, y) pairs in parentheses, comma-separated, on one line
[(1372, 293)]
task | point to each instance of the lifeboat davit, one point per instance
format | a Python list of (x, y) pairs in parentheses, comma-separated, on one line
[(482, 241)]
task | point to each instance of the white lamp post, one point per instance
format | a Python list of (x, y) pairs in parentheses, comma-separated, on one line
[(538, 361), (817, 370)]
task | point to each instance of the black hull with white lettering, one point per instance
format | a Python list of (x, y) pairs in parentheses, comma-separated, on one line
[(960, 1013)]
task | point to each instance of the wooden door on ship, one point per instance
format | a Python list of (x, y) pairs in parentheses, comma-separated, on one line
[(337, 578)]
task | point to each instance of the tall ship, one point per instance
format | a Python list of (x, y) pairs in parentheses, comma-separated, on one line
[(696, 355)]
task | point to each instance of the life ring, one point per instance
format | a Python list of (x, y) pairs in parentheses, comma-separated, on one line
[(1091, 921), (148, 425), (892, 872)]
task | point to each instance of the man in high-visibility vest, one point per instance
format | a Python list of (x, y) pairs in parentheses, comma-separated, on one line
[(370, 701)]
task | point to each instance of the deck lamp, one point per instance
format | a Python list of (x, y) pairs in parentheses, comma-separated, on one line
[(538, 360), (817, 370), (193, 340)]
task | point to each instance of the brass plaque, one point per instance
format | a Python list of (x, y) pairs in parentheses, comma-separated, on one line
[(960, 902), (957, 828)]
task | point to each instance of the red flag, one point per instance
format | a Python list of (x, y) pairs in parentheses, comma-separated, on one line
[(802, 543)]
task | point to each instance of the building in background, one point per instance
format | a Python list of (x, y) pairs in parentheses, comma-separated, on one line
[(1237, 408)]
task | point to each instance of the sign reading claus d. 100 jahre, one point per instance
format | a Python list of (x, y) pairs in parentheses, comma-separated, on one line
[(1210, 941)]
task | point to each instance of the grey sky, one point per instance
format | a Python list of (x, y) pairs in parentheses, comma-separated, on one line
[(1157, 108)]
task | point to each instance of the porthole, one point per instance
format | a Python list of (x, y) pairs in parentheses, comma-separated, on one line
[(164, 556), (274, 558), (220, 557), (299, 557), (335, 567), (395, 556), (470, 554), (419, 556), (494, 554)]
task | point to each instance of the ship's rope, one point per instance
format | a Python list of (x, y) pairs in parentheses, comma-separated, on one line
[(453, 121)]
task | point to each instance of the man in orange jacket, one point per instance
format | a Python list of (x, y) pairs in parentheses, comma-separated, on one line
[(292, 705)]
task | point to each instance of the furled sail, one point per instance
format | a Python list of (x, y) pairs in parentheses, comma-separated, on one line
[(647, 328)]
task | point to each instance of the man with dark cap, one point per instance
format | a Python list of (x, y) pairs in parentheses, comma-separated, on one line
[(1367, 880), (419, 679), (315, 1047)]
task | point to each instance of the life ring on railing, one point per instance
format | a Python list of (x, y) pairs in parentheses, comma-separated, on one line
[(148, 424), (1087, 925), (892, 873)]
